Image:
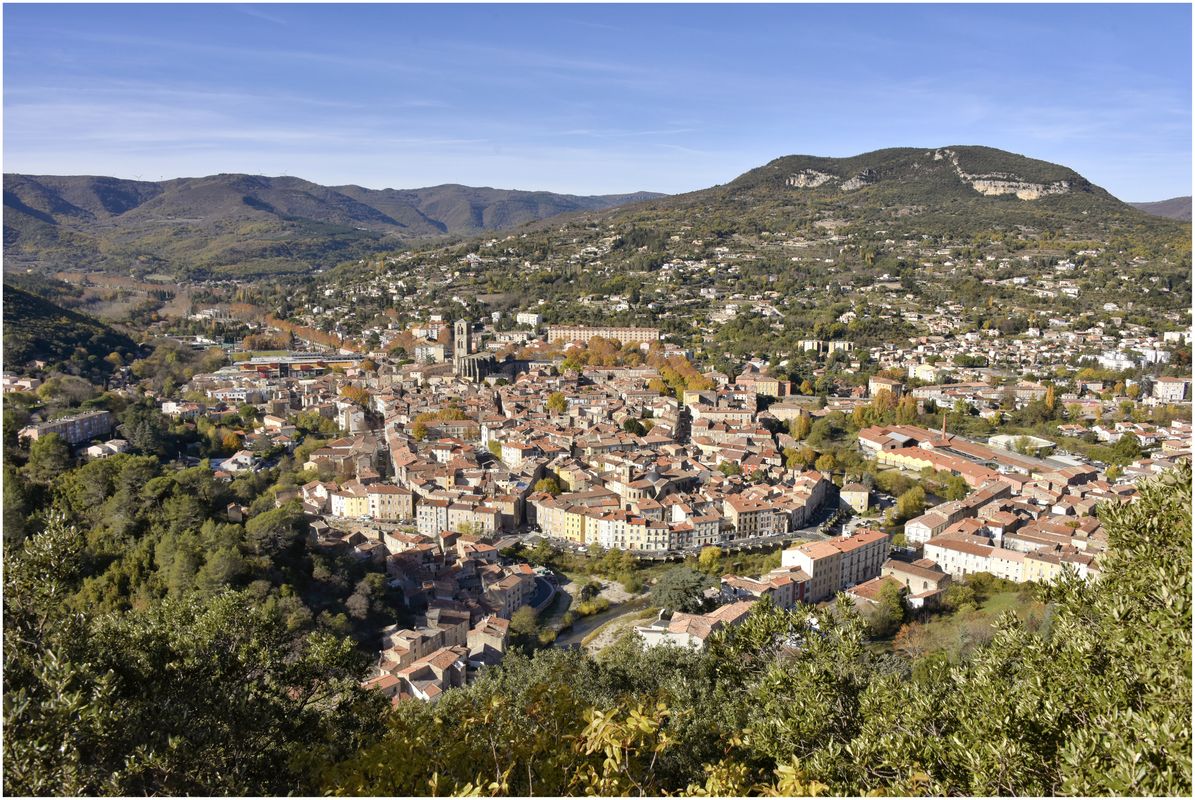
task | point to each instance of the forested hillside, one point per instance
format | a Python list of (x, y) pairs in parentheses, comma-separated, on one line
[(246, 225), (36, 329), (126, 673)]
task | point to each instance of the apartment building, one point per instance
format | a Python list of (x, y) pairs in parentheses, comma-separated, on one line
[(75, 430), (582, 333), (837, 564), (431, 516), (1172, 390), (389, 503)]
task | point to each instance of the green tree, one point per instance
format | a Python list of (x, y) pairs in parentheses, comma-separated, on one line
[(144, 427), (49, 457), (680, 589), (105, 710), (910, 504), (1127, 448), (549, 485), (524, 626), (889, 612), (955, 487), (276, 531)]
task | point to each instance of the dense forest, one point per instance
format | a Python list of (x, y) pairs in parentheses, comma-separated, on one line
[(152, 647)]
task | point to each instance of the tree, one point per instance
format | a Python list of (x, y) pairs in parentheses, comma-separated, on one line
[(49, 456), (524, 625), (632, 425), (955, 487), (16, 506), (825, 463), (710, 558), (557, 403), (821, 433), (729, 468), (680, 589), (248, 414), (276, 531), (549, 485), (355, 394), (800, 426), (100, 706), (910, 504), (144, 427), (960, 597), (800, 458), (889, 612), (419, 431), (1127, 448)]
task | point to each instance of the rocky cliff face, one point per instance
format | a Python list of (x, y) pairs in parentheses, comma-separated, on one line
[(809, 179), (998, 183)]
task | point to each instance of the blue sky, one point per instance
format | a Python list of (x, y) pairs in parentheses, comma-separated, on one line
[(589, 99)]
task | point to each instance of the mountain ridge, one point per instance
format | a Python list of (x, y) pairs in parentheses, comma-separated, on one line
[(234, 224), (934, 191), (219, 223), (1172, 208)]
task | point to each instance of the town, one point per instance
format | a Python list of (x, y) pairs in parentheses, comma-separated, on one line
[(437, 472)]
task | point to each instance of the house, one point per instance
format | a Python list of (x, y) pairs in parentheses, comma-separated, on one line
[(108, 448), (877, 384), (923, 578), (487, 640), (428, 678), (856, 497), (692, 630), (785, 587), (869, 591), (240, 461), (1172, 390), (350, 500)]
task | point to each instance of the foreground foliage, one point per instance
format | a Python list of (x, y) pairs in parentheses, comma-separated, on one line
[(210, 693), (1095, 701)]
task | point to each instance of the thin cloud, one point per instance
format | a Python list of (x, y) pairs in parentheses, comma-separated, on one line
[(255, 11)]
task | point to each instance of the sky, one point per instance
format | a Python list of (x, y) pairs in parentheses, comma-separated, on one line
[(589, 99)]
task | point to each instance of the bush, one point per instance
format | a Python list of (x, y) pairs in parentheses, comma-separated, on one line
[(631, 582), (595, 606)]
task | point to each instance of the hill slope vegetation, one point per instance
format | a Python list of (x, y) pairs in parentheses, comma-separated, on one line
[(1174, 208), (37, 329), (247, 224)]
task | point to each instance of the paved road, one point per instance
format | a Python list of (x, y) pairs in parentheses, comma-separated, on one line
[(542, 595)]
